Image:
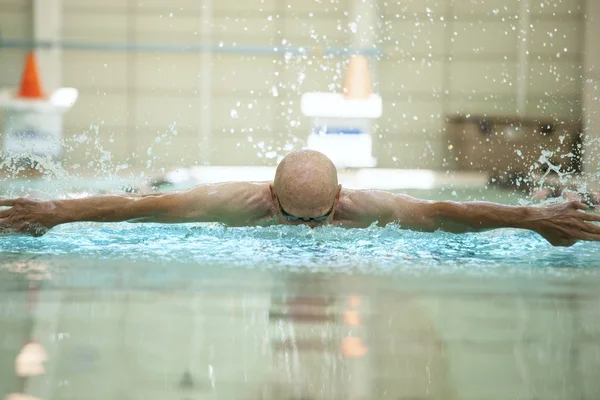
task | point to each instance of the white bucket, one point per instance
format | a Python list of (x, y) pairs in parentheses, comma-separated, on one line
[(35, 127), (341, 128), (33, 133)]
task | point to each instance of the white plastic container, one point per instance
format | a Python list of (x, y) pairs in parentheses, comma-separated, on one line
[(35, 126), (341, 128)]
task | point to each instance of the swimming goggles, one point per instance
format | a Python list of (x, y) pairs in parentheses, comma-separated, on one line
[(293, 218)]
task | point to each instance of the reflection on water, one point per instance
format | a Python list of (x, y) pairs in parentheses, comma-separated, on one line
[(108, 329)]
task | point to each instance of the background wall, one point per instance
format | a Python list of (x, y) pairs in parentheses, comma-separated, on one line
[(166, 83)]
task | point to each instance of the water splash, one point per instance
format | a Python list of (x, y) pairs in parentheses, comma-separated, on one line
[(286, 247)]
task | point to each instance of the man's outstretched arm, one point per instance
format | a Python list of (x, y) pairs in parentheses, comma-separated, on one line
[(561, 224), (227, 202)]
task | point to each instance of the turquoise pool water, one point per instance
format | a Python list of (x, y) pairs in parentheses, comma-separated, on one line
[(130, 311), (376, 250)]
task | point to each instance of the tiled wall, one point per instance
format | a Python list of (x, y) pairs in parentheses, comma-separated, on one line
[(240, 105)]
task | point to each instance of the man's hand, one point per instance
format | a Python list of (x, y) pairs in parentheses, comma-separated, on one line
[(27, 216), (564, 224)]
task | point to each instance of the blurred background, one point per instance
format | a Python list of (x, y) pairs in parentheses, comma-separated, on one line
[(219, 82)]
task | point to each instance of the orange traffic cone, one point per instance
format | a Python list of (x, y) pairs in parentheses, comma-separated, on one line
[(31, 87), (357, 84)]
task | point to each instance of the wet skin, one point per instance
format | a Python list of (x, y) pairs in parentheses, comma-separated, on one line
[(256, 203)]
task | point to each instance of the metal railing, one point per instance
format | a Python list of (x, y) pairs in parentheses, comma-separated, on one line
[(260, 50)]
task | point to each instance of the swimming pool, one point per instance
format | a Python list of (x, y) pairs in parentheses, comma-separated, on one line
[(203, 311)]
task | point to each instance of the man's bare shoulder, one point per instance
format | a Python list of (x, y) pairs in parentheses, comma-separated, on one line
[(363, 207), (233, 203), (256, 199), (251, 199), (370, 205), (365, 198)]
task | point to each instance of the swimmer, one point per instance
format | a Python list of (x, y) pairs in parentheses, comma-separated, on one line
[(305, 191)]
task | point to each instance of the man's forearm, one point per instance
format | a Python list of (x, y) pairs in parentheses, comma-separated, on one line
[(199, 204), (110, 208), (478, 216)]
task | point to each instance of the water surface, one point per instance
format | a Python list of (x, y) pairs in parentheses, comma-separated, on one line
[(201, 311)]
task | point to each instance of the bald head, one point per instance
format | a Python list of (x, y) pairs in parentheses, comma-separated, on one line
[(306, 181)]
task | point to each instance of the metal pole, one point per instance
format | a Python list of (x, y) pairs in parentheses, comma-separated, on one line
[(591, 86), (364, 26), (522, 64), (205, 83), (47, 20)]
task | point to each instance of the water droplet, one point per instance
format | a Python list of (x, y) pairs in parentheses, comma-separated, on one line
[(301, 77)]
